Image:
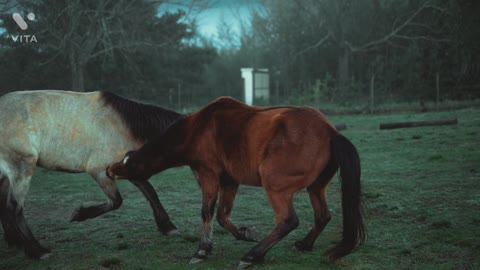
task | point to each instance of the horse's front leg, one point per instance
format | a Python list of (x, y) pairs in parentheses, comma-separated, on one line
[(108, 187), (162, 219), (209, 185), (228, 191)]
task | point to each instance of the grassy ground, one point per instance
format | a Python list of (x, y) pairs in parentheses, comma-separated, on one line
[(421, 185)]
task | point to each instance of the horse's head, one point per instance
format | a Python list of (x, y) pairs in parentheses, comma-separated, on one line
[(133, 166)]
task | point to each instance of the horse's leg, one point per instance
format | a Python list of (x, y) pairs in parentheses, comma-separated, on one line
[(12, 214), (287, 220), (322, 217), (209, 185), (31, 246), (162, 219), (227, 193), (108, 187), (11, 236), (317, 192)]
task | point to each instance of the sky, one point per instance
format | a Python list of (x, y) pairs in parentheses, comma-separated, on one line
[(232, 13), (235, 14)]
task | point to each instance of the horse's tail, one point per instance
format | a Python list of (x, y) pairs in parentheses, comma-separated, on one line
[(354, 232)]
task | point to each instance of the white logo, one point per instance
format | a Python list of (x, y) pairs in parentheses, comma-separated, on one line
[(23, 25)]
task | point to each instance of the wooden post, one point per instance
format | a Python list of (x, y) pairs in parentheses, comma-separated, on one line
[(277, 92), (438, 89), (253, 86), (179, 96), (372, 94)]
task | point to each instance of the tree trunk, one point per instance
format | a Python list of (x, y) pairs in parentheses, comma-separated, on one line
[(343, 70), (453, 121), (78, 83), (372, 94), (77, 68)]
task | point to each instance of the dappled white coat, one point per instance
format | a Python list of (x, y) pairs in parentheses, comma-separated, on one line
[(59, 130)]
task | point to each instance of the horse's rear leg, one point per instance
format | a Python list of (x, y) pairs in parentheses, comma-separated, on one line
[(31, 246), (317, 193), (287, 220), (322, 217), (162, 219), (227, 193), (11, 236), (108, 187), (16, 230)]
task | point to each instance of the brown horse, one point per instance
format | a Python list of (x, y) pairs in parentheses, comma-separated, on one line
[(71, 132), (282, 149)]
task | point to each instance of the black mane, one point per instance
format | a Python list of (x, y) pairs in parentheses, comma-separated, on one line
[(145, 121)]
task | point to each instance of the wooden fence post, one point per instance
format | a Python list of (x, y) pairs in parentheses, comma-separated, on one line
[(438, 89), (372, 94)]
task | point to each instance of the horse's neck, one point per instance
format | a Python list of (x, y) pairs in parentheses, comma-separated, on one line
[(176, 135), (170, 144)]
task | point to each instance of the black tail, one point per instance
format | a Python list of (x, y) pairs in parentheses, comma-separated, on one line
[(354, 231)]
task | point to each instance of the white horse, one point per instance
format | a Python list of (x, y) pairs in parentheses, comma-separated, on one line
[(71, 132)]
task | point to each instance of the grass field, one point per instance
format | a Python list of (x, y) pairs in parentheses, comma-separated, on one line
[(421, 185)]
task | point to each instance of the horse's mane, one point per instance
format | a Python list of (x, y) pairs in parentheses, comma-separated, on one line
[(145, 121)]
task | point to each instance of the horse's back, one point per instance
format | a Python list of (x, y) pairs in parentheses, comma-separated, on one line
[(294, 122), (45, 112), (249, 135), (15, 119), (65, 129), (256, 127)]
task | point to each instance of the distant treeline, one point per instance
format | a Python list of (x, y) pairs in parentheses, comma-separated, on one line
[(318, 51)]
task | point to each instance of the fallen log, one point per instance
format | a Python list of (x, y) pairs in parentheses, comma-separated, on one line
[(419, 124)]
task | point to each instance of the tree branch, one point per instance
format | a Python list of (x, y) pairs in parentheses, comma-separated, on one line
[(313, 46), (125, 46), (8, 5), (395, 33)]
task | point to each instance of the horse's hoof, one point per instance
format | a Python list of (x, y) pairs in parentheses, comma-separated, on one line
[(249, 234), (38, 252), (75, 215), (167, 228), (173, 232), (249, 261), (200, 256), (244, 265), (195, 260), (78, 215), (45, 256), (302, 247)]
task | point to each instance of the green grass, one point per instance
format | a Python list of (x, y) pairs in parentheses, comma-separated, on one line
[(421, 185)]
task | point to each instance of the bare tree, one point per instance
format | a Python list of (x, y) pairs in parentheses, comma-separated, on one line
[(7, 5), (81, 31), (338, 24)]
